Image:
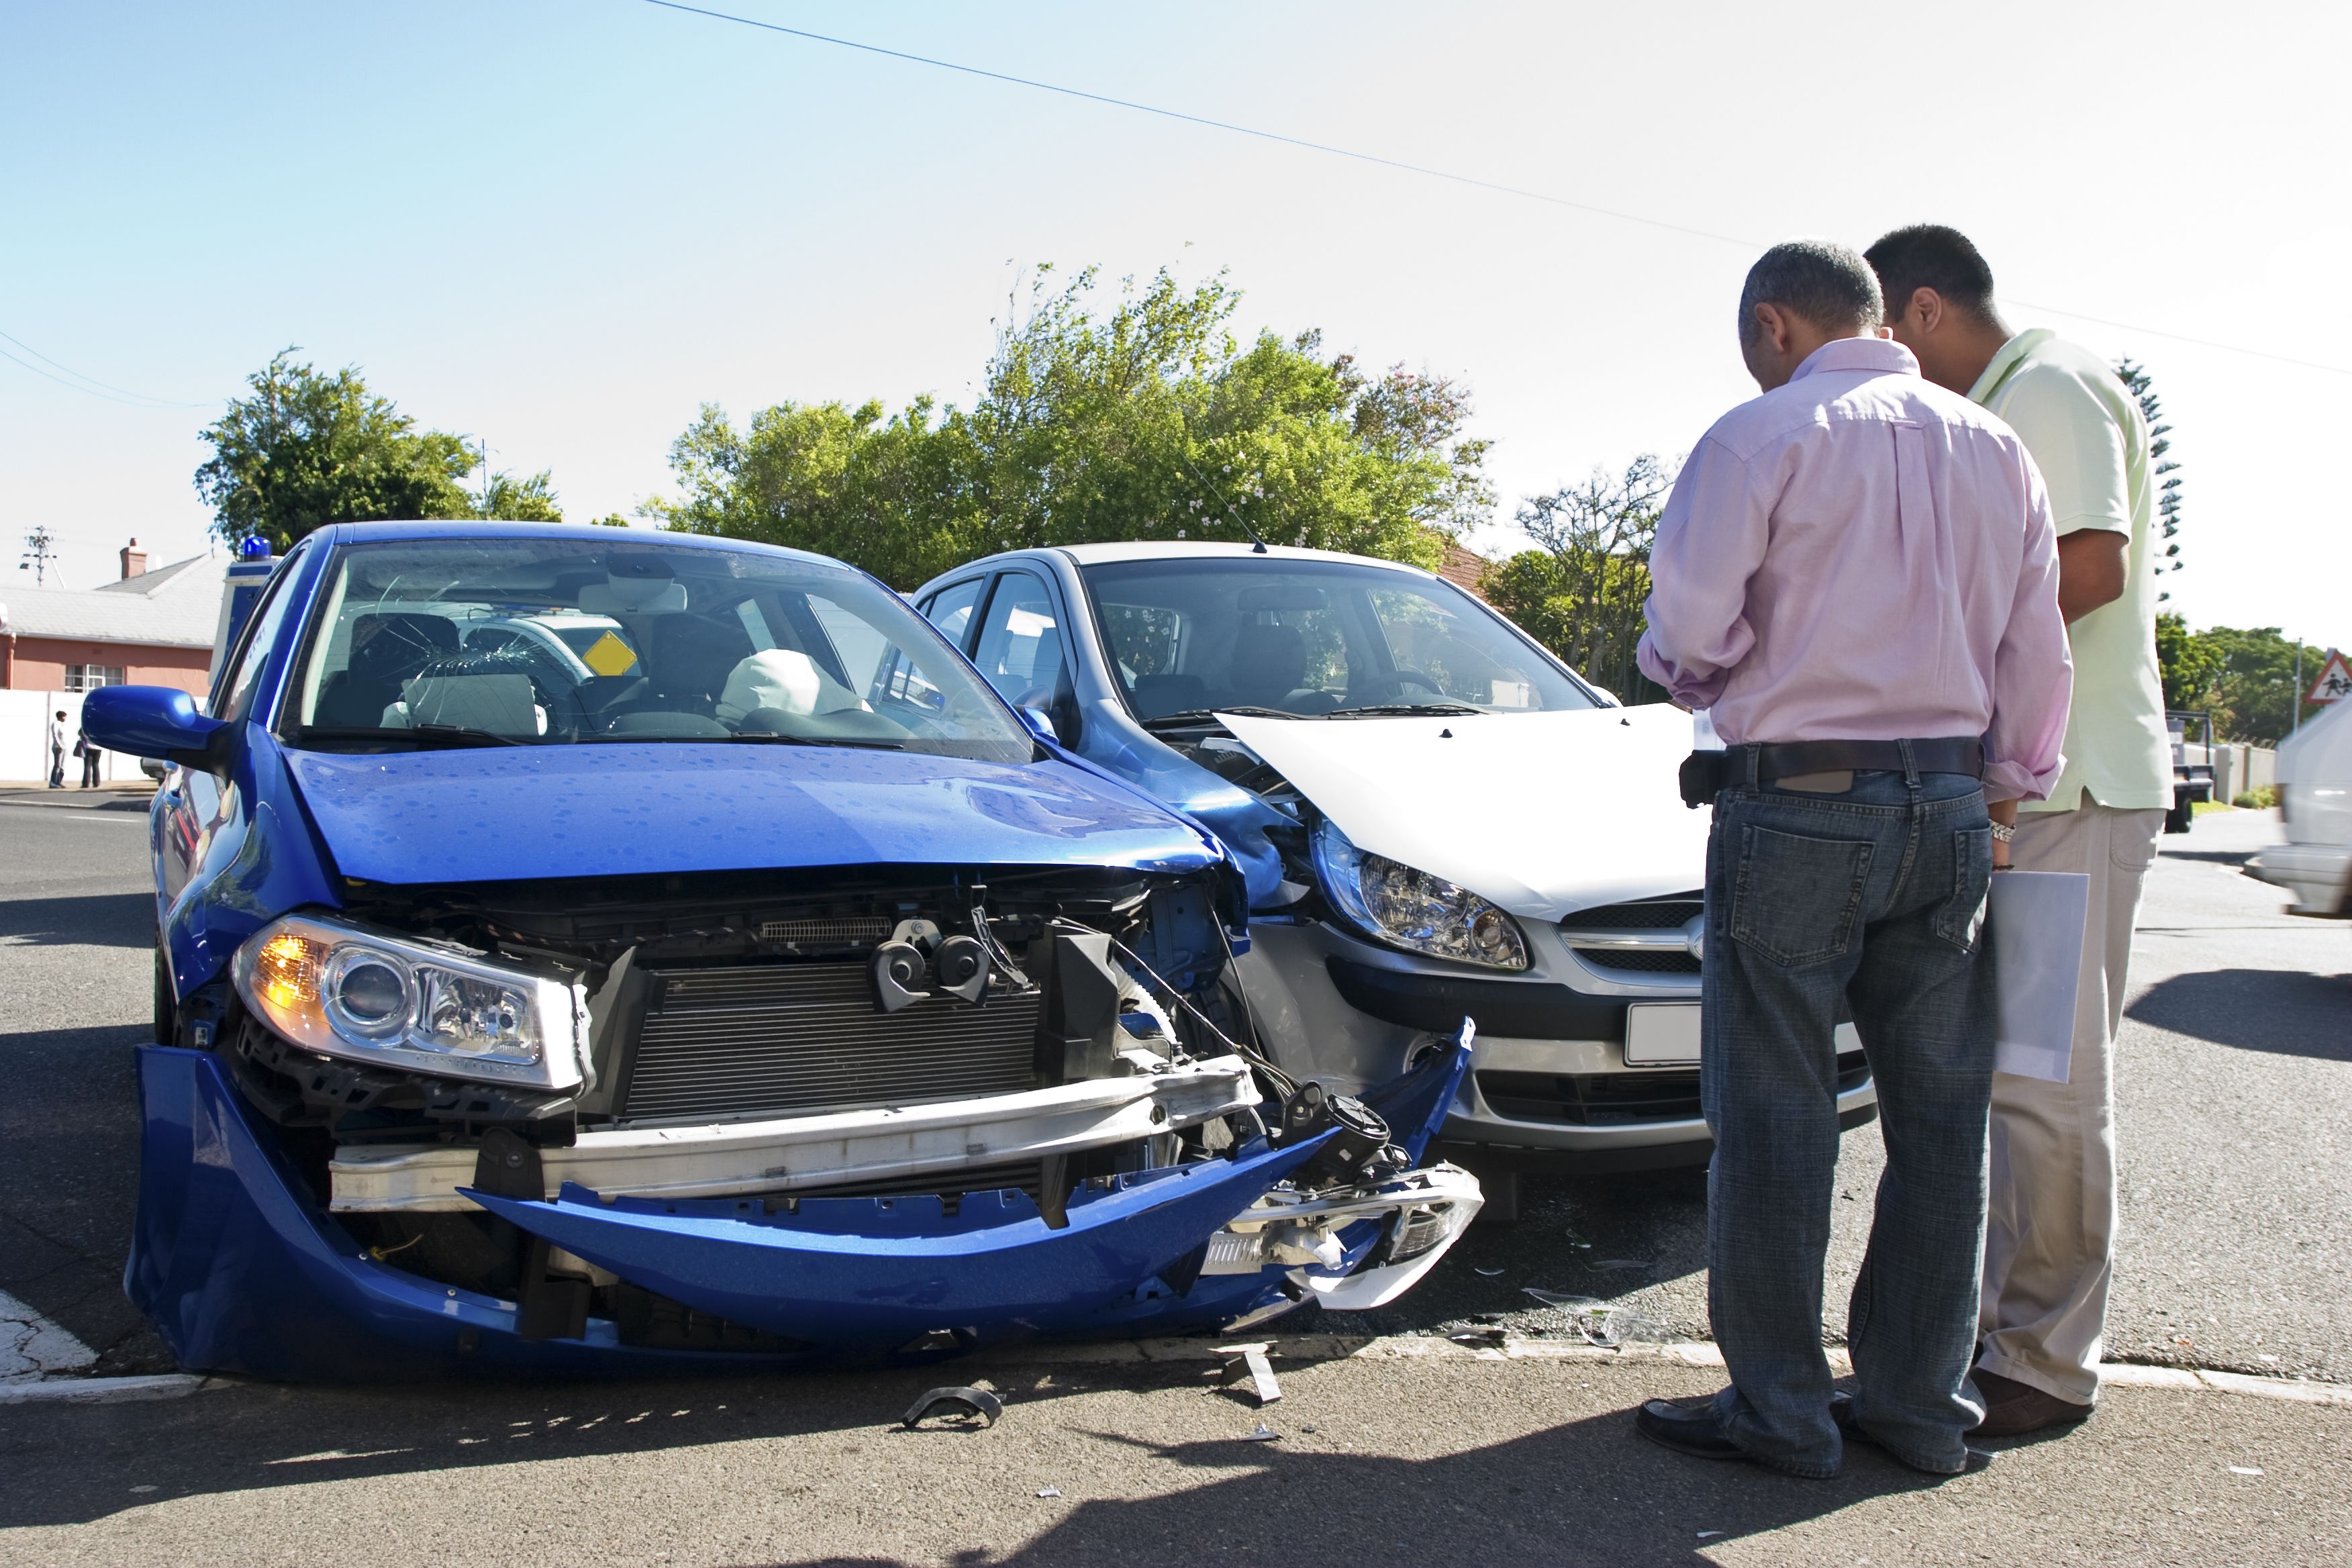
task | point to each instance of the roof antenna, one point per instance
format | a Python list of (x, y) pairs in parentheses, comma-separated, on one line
[(1257, 545)]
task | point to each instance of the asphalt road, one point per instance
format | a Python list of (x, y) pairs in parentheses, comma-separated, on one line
[(2235, 1098)]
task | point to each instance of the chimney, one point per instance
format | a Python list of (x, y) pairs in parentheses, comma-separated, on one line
[(134, 561)]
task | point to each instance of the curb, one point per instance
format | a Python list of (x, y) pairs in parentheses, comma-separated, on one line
[(106, 1390)]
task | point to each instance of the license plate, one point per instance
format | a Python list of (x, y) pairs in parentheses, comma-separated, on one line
[(1662, 1034)]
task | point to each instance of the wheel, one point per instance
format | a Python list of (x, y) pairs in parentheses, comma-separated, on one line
[(167, 1004), (2183, 815)]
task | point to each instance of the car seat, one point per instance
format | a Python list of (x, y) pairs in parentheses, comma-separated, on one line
[(387, 648), (1269, 664)]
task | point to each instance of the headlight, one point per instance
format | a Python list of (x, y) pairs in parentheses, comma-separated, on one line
[(342, 991), (1414, 910)]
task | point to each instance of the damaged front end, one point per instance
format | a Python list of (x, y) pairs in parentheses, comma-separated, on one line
[(742, 1118)]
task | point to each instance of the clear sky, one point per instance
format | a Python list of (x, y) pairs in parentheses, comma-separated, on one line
[(560, 227)]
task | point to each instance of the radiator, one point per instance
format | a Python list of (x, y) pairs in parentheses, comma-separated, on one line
[(730, 1044)]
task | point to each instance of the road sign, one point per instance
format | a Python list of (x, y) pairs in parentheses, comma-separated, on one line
[(2334, 680)]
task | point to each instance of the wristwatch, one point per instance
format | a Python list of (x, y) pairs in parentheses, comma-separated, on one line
[(2003, 832)]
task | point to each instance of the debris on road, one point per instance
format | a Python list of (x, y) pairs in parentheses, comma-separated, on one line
[(964, 1407), (2245, 1470), (1251, 1360), (1049, 1491), (1263, 1434)]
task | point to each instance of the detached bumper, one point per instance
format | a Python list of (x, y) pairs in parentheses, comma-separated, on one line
[(242, 1269)]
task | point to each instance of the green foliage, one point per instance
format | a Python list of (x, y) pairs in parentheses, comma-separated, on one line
[(1147, 421), (519, 500), (2247, 678), (2261, 799), (2167, 472), (1580, 592), (306, 449), (2189, 664)]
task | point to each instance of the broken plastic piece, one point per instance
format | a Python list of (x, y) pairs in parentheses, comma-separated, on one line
[(1049, 1491), (1263, 1434), (2245, 1470), (964, 1407), (1252, 1360), (1489, 1273)]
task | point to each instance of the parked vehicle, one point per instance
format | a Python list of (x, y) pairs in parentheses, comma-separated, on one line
[(2314, 788), (578, 951), (1435, 815), (2192, 767)]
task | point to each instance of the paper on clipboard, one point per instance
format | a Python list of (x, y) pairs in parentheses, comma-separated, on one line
[(2037, 919)]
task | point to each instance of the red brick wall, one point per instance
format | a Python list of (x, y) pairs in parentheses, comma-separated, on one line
[(39, 663)]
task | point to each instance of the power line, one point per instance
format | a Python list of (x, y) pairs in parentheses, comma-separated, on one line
[(1403, 167), (95, 387)]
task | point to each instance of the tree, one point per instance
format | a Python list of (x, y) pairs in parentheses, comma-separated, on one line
[(519, 500), (1580, 592), (1146, 421), (306, 449), (2190, 663), (2254, 697), (2168, 495)]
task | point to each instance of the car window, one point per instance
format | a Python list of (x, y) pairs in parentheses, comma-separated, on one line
[(564, 641), (1310, 637), (260, 637), (1021, 650), (950, 609)]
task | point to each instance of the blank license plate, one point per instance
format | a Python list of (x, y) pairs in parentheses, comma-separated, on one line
[(1662, 1034)]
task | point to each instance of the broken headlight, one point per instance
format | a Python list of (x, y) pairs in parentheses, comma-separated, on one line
[(343, 991), (1413, 909)]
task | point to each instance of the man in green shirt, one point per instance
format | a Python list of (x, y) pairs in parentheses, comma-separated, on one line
[(2049, 1240)]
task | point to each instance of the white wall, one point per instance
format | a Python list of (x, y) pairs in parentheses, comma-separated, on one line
[(24, 758)]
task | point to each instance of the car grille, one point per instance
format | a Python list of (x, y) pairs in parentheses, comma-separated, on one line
[(723, 1044), (1642, 916), (1616, 1098), (853, 930)]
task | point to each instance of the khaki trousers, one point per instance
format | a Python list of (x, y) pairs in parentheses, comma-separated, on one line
[(2051, 1225)]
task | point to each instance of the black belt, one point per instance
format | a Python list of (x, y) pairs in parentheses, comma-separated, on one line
[(1705, 773)]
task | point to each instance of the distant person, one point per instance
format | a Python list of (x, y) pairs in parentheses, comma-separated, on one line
[(87, 752), (1855, 575), (54, 737), (2050, 1247)]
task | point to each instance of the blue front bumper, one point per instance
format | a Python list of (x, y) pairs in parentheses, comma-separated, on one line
[(242, 1271)]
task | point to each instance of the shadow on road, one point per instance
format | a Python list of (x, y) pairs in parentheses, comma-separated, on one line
[(2255, 1010), (1586, 1490), (2212, 856), (90, 919)]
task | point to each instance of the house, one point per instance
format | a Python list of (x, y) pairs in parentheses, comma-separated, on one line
[(1465, 568), (146, 628)]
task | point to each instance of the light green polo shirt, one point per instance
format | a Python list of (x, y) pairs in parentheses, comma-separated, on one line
[(2085, 431)]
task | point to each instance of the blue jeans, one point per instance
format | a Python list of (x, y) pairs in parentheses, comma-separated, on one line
[(1874, 896)]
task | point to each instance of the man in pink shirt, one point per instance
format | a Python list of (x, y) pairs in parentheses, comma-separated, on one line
[(1857, 574)]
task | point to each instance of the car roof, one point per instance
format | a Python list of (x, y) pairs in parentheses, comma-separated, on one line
[(1214, 549), (591, 533)]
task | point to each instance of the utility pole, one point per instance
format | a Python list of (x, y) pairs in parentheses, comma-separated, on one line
[(485, 445), (40, 548), (2291, 729)]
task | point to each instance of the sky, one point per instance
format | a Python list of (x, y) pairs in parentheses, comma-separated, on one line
[(560, 227)]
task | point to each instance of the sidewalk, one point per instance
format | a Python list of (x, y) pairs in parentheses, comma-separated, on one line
[(123, 795)]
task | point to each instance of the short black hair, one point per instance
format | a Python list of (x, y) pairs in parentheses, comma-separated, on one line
[(1932, 256), (1820, 280)]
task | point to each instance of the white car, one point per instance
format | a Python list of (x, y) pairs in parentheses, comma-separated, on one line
[(1438, 818), (2315, 785)]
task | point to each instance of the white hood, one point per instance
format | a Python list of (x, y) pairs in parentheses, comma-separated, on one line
[(1544, 814)]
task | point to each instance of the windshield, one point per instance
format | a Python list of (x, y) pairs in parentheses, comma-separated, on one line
[(564, 641), (1312, 638)]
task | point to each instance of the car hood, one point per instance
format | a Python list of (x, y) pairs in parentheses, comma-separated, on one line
[(623, 810), (1544, 814)]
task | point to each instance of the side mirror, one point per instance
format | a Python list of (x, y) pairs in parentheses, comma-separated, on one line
[(155, 722), (1041, 724)]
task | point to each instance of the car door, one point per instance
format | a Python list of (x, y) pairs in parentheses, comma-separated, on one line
[(1023, 650)]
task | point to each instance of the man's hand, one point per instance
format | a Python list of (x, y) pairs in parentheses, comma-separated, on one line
[(2091, 568)]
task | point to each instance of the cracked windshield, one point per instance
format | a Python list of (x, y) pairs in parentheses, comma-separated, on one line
[(477, 642), (1311, 639)]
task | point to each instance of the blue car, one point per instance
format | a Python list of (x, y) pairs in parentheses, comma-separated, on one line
[(583, 950)]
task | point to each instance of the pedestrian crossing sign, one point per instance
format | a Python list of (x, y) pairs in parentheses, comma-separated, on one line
[(2334, 680)]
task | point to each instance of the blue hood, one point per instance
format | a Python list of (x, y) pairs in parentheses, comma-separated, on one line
[(505, 814)]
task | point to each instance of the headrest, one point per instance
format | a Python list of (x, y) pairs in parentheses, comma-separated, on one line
[(389, 646)]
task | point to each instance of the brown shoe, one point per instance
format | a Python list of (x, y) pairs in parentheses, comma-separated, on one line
[(2014, 1408)]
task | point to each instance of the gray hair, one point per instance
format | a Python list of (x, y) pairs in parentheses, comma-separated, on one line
[(1823, 281)]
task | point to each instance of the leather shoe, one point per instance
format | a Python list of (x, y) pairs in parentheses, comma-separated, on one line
[(1853, 1431), (1687, 1427), (2014, 1408)]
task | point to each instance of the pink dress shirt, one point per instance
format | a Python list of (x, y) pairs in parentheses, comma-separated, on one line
[(1860, 555)]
